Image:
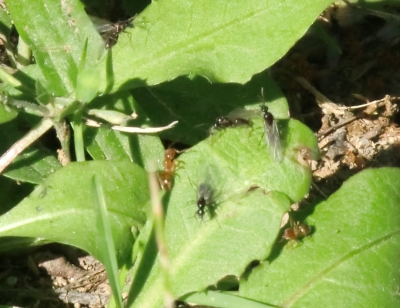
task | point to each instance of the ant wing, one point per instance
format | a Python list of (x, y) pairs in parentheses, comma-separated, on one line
[(207, 182), (101, 25), (273, 140), (205, 192)]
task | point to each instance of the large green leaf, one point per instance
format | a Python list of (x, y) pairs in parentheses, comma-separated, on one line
[(197, 103), (246, 223), (56, 31), (61, 208), (351, 259), (224, 41)]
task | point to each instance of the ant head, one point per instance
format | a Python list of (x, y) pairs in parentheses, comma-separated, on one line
[(264, 108), (170, 153)]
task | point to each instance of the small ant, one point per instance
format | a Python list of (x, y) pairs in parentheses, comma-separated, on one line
[(110, 31), (112, 35), (296, 231), (165, 177), (224, 122), (271, 132), (237, 117), (205, 198)]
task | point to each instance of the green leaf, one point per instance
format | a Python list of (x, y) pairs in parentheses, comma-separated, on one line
[(5, 25), (14, 245), (34, 164), (56, 32), (87, 85), (201, 253), (352, 257), (107, 144), (245, 221), (61, 209), (12, 192), (111, 116), (7, 114), (29, 76), (222, 300), (197, 103), (108, 249), (223, 41)]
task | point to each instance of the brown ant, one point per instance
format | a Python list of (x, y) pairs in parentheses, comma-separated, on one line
[(296, 231), (165, 176)]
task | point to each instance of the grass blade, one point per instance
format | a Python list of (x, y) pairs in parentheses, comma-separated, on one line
[(110, 260)]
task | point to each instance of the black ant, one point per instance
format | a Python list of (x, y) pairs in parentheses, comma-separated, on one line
[(205, 195), (271, 132), (205, 198), (110, 31), (238, 117)]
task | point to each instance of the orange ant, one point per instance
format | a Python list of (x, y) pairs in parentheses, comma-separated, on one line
[(296, 231), (165, 177)]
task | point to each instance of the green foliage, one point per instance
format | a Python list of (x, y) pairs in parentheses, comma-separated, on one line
[(61, 208), (245, 223), (179, 37), (34, 164), (351, 258), (57, 33), (6, 114), (164, 69), (108, 249)]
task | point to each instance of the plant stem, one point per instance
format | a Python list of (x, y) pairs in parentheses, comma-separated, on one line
[(64, 135), (158, 214), (78, 137)]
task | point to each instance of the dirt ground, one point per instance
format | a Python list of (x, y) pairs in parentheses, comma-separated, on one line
[(346, 88)]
